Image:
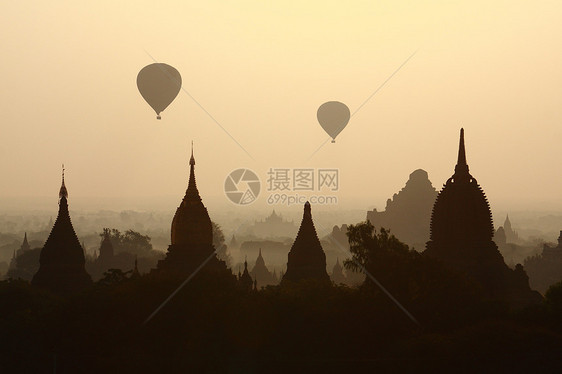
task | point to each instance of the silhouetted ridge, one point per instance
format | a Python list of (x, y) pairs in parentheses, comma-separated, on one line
[(306, 259)]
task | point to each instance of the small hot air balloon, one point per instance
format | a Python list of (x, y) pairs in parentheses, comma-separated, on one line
[(159, 84), (333, 116)]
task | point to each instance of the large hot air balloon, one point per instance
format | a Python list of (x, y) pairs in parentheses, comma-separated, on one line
[(333, 116), (159, 85)]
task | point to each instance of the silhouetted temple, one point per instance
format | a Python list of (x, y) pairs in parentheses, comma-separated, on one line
[(273, 226), (545, 269), (135, 274), (105, 257), (461, 237), (191, 234), (338, 276), (306, 259), (510, 234), (61, 263), (409, 211), (261, 274), (24, 245), (245, 281)]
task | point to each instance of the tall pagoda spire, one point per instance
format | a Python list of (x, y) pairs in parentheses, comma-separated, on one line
[(25, 245), (462, 236), (63, 192), (191, 223), (191, 234), (192, 185), (245, 280), (306, 259), (461, 169), (62, 262)]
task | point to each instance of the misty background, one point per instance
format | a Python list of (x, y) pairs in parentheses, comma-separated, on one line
[(262, 70)]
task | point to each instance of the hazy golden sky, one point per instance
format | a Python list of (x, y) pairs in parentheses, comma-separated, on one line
[(262, 69)]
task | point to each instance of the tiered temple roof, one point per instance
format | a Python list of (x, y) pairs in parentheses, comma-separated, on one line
[(191, 234), (261, 273), (191, 224), (462, 232), (62, 260), (409, 211), (338, 276), (245, 281), (306, 259), (106, 249)]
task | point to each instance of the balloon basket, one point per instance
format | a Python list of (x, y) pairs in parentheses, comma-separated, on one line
[(333, 140), (158, 117)]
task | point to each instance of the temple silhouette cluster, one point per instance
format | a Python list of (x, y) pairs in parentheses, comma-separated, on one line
[(461, 237)]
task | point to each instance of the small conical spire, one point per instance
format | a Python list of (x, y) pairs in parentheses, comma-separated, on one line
[(192, 159), (25, 244), (135, 274), (462, 154), (63, 192), (192, 185), (461, 169)]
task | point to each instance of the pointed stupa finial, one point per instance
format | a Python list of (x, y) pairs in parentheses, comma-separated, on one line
[(192, 159), (307, 209), (191, 185), (461, 169), (63, 192), (462, 154)]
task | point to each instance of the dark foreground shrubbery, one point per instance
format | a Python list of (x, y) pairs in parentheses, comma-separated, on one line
[(212, 326)]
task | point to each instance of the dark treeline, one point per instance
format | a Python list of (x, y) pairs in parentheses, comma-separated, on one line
[(212, 325)]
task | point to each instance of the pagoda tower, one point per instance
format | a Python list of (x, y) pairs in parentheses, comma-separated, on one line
[(338, 277), (191, 233), (24, 245), (306, 259), (261, 273), (461, 236), (106, 249), (245, 281), (135, 274), (61, 263)]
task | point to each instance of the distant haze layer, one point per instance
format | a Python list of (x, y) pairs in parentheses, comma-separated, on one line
[(254, 75)]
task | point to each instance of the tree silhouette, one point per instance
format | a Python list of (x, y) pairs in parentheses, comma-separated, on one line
[(131, 241), (220, 246)]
